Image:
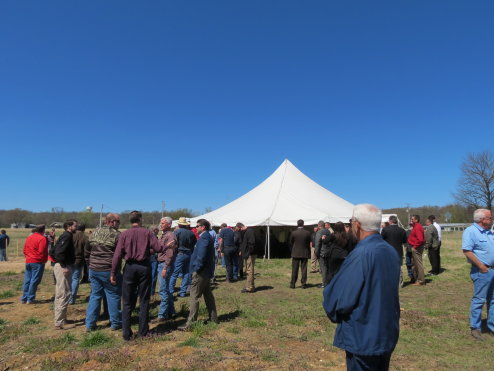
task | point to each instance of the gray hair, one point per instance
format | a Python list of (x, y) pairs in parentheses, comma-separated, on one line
[(479, 214), (369, 217), (167, 219), (320, 224), (393, 219)]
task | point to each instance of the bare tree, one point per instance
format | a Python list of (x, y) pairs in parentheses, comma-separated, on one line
[(476, 184)]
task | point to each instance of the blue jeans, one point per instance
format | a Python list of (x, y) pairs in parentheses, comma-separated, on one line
[(181, 266), (76, 278), (32, 277), (167, 309), (3, 255), (154, 273), (409, 263), (101, 285), (483, 289)]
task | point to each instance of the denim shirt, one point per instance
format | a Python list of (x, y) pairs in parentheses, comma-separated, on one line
[(481, 242)]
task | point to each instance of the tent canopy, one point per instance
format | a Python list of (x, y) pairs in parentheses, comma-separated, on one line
[(284, 197)]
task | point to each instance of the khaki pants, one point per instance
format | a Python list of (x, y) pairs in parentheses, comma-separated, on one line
[(62, 294), (249, 267), (314, 263), (201, 285), (418, 265)]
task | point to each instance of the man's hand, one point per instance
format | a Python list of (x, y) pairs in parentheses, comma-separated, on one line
[(113, 281), (163, 273), (483, 269), (66, 271), (323, 237)]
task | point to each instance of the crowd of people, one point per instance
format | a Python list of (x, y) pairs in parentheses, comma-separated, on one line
[(360, 265), (187, 252)]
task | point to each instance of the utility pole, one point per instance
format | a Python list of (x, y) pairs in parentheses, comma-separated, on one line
[(408, 213), (162, 208), (100, 215)]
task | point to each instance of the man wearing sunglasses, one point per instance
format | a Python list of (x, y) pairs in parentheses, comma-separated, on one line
[(202, 269)]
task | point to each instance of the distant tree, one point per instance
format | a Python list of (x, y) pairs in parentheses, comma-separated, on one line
[(476, 184), (17, 216)]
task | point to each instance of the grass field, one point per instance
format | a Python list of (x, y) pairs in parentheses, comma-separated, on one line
[(275, 328)]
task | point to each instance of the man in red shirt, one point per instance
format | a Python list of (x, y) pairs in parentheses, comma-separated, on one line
[(36, 253), (417, 239)]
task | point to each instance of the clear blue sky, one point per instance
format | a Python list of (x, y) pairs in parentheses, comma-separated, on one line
[(128, 103)]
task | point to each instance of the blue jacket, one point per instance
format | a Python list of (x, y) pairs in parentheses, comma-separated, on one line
[(363, 299), (202, 259)]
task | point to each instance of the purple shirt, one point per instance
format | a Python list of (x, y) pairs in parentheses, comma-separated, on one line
[(168, 242), (134, 244)]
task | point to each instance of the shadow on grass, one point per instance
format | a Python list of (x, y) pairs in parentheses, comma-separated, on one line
[(7, 302), (264, 288)]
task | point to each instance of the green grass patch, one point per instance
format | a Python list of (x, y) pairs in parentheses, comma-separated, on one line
[(253, 322), (96, 339), (31, 321), (200, 329), (190, 342), (8, 274), (43, 345), (7, 294), (233, 330)]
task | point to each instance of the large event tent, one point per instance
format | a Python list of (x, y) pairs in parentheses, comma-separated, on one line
[(284, 197)]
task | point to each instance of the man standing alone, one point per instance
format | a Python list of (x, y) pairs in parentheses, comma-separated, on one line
[(36, 253), (300, 241), (363, 297), (478, 247), (416, 240), (4, 243)]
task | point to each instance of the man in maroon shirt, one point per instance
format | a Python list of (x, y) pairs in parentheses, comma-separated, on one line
[(135, 245), (417, 239)]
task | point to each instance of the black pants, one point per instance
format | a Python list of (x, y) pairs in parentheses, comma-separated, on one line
[(296, 263), (435, 259), (136, 282), (230, 253), (240, 262), (355, 362)]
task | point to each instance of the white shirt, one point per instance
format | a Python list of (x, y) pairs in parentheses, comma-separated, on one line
[(438, 227)]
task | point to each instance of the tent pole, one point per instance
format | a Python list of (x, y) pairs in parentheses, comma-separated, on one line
[(269, 244)]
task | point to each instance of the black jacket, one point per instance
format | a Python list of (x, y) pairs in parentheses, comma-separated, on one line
[(395, 236), (64, 250), (248, 244)]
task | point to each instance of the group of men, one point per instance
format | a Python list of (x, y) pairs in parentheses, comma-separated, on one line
[(189, 253), (415, 240)]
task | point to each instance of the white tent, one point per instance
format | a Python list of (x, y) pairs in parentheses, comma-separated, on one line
[(284, 197)]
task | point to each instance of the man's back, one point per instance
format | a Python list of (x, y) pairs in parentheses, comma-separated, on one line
[(363, 299), (395, 236), (300, 240), (186, 239)]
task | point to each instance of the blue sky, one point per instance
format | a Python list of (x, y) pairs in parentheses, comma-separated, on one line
[(128, 103)]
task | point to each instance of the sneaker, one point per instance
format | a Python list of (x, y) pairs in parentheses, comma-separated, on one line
[(23, 302), (58, 327), (477, 335)]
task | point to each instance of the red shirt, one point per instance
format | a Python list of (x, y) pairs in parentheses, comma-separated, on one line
[(36, 249), (416, 238)]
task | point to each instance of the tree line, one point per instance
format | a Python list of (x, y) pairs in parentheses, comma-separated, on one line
[(89, 218)]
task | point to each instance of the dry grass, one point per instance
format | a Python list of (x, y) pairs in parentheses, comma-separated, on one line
[(275, 328)]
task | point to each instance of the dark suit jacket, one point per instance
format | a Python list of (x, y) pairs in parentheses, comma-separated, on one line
[(300, 241), (395, 236)]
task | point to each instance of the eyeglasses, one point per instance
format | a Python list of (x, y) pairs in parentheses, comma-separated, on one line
[(197, 226)]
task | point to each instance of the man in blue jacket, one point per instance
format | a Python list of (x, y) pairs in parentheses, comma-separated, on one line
[(363, 296), (202, 269)]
